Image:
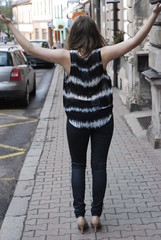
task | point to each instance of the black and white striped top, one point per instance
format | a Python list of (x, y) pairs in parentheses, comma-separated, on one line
[(87, 94)]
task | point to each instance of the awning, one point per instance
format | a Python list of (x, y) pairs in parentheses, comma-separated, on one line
[(60, 23), (76, 14)]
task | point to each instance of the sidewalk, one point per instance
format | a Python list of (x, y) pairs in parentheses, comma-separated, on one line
[(41, 208)]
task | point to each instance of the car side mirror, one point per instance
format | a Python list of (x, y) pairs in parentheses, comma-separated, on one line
[(32, 63)]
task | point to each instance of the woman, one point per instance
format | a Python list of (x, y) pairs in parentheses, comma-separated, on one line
[(87, 101)]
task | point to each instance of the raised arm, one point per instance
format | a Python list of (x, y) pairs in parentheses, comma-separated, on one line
[(112, 52), (60, 56)]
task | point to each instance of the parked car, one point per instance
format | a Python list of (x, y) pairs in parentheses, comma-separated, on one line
[(39, 63), (17, 77)]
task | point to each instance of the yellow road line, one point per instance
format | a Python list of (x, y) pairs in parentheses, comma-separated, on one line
[(20, 151), (7, 179), (13, 148), (19, 123), (13, 116), (11, 155)]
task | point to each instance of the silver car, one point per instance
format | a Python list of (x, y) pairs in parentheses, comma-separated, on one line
[(17, 77)]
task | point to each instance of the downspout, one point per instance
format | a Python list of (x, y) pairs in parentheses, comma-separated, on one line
[(115, 62)]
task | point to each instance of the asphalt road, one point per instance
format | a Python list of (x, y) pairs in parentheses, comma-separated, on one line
[(17, 127)]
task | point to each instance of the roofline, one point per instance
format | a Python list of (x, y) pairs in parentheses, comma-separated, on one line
[(15, 3)]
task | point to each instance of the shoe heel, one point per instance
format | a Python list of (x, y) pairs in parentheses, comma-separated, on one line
[(95, 223), (81, 228), (82, 224), (94, 227)]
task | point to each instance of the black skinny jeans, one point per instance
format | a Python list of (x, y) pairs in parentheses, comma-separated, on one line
[(78, 140)]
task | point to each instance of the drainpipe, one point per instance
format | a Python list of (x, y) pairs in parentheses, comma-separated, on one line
[(98, 14), (115, 31), (115, 28)]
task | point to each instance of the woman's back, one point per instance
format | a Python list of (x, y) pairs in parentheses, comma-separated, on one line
[(87, 91)]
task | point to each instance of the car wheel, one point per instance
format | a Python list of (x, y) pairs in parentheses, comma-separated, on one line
[(33, 93), (26, 98)]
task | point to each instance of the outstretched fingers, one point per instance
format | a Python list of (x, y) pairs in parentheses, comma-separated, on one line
[(157, 8), (4, 19)]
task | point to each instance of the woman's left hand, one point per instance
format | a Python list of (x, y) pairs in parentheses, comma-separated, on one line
[(157, 8)]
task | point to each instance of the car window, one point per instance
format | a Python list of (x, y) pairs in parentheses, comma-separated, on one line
[(18, 58), (3, 58), (40, 44), (10, 62), (45, 45), (36, 44), (21, 56)]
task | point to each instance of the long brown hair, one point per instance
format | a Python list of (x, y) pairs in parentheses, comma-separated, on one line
[(84, 36)]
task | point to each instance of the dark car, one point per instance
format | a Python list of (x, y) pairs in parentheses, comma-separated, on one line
[(36, 62), (17, 77)]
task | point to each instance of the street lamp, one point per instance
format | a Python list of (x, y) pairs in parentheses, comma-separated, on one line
[(115, 28)]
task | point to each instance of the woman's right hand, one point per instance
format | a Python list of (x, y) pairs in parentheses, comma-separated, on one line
[(5, 19)]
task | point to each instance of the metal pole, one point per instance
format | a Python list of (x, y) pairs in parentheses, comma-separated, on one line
[(98, 14), (115, 31)]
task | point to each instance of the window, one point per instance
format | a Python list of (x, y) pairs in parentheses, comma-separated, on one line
[(61, 11), (57, 15), (50, 7), (36, 33), (18, 58), (55, 12), (10, 61), (21, 56), (3, 59), (44, 34)]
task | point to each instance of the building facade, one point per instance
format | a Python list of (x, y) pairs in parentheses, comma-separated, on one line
[(22, 16), (59, 23), (33, 18), (42, 19), (153, 76), (135, 88), (130, 16)]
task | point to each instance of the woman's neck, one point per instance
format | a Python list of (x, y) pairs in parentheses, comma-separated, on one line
[(82, 53)]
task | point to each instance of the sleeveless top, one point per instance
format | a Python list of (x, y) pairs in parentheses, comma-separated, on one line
[(87, 91)]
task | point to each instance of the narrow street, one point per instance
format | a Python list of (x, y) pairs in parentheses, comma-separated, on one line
[(17, 128)]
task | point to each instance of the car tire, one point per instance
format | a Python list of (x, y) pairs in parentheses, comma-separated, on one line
[(33, 93), (26, 98)]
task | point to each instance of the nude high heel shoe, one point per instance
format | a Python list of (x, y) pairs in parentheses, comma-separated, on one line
[(82, 224), (95, 223)]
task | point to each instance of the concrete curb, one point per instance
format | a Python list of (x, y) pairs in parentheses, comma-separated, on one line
[(131, 119), (13, 223)]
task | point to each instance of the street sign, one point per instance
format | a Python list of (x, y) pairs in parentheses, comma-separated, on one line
[(112, 1), (49, 24)]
